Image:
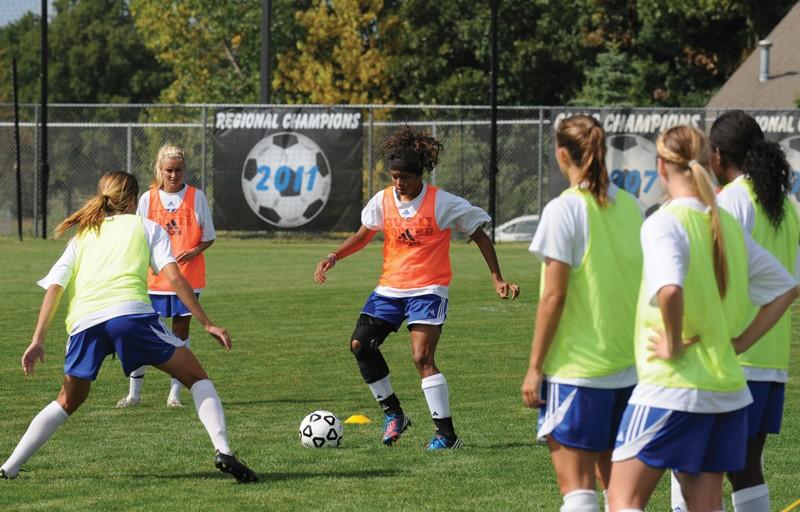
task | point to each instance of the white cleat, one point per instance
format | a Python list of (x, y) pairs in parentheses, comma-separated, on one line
[(174, 402), (128, 402)]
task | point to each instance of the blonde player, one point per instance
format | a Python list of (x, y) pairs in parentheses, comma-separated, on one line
[(581, 369), (104, 270), (688, 412), (416, 220), (182, 210)]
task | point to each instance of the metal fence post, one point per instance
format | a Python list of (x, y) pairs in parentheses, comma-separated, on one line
[(203, 150), (369, 152), (433, 173), (130, 149), (541, 151), (36, 172)]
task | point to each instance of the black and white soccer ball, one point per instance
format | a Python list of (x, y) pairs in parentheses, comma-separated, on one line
[(286, 179), (321, 429), (631, 163)]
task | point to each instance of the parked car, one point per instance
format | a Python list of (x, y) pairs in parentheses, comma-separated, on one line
[(519, 229)]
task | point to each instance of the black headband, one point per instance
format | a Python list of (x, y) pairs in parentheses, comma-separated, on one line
[(403, 165)]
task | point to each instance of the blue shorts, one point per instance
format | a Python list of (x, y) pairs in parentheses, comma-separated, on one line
[(684, 441), (168, 306), (765, 413), (137, 339), (423, 309), (581, 417)]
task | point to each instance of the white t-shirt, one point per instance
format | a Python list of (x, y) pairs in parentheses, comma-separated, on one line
[(450, 211), (562, 235), (736, 201), (62, 270), (171, 202), (665, 248)]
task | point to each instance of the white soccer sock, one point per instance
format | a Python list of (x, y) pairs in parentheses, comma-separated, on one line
[(606, 508), (209, 410), (678, 502), (582, 500), (437, 395), (381, 388), (42, 428), (751, 499), (135, 385)]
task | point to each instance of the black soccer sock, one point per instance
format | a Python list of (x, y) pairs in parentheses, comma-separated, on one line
[(391, 405), (444, 427)]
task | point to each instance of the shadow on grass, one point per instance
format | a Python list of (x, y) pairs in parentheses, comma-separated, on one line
[(276, 401), (265, 478)]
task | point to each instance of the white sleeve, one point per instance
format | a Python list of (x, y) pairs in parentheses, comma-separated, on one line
[(144, 205), (158, 242), (665, 251), (61, 272), (452, 211), (203, 215), (561, 234), (372, 214), (734, 200), (767, 279)]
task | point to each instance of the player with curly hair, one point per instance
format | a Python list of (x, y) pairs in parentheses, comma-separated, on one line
[(416, 219), (757, 183)]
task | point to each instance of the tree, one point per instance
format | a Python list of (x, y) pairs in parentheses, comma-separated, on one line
[(344, 54), (96, 55)]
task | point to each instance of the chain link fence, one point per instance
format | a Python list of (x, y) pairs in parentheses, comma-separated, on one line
[(86, 140)]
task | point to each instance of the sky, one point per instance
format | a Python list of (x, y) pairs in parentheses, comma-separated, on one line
[(12, 10)]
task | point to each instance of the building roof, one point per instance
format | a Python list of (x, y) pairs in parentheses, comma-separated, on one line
[(743, 90)]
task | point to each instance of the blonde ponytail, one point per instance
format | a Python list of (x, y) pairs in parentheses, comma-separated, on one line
[(116, 193), (686, 147)]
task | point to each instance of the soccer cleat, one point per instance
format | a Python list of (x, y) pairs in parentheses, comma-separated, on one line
[(3, 475), (128, 402), (174, 402), (393, 426), (443, 443), (230, 464)]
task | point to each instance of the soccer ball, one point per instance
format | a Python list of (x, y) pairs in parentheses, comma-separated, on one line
[(791, 147), (286, 179), (631, 163), (321, 429)]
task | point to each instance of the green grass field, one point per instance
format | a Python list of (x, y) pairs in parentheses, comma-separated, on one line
[(291, 357)]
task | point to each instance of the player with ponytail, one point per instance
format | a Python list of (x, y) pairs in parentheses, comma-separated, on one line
[(757, 181), (104, 269), (688, 411), (581, 369), (416, 219)]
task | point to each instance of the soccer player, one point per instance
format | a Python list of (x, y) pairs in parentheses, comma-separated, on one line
[(183, 212), (416, 220), (104, 270), (688, 412), (582, 369)]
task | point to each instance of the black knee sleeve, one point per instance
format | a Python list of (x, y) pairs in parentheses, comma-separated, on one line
[(369, 334)]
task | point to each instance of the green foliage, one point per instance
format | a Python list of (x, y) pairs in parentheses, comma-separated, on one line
[(96, 56)]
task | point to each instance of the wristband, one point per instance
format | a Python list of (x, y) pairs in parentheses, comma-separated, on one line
[(332, 258)]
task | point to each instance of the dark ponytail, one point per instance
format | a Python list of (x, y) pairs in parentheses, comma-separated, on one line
[(741, 143), (585, 141)]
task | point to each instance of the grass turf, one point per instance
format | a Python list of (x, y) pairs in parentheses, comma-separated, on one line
[(290, 357)]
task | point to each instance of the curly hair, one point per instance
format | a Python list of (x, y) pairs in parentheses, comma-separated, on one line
[(418, 149), (741, 143)]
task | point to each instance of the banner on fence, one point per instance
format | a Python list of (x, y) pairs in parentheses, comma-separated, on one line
[(631, 148), (287, 169), (784, 128)]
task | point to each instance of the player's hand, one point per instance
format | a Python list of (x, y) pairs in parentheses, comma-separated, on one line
[(221, 335), (322, 267), (661, 348), (531, 387), (188, 255), (34, 351), (506, 290)]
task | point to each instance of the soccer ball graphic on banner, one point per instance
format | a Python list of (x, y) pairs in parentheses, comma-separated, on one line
[(321, 429), (286, 179), (791, 148), (631, 163)]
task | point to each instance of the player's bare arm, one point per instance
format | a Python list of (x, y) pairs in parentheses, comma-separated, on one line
[(505, 290), (352, 245)]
